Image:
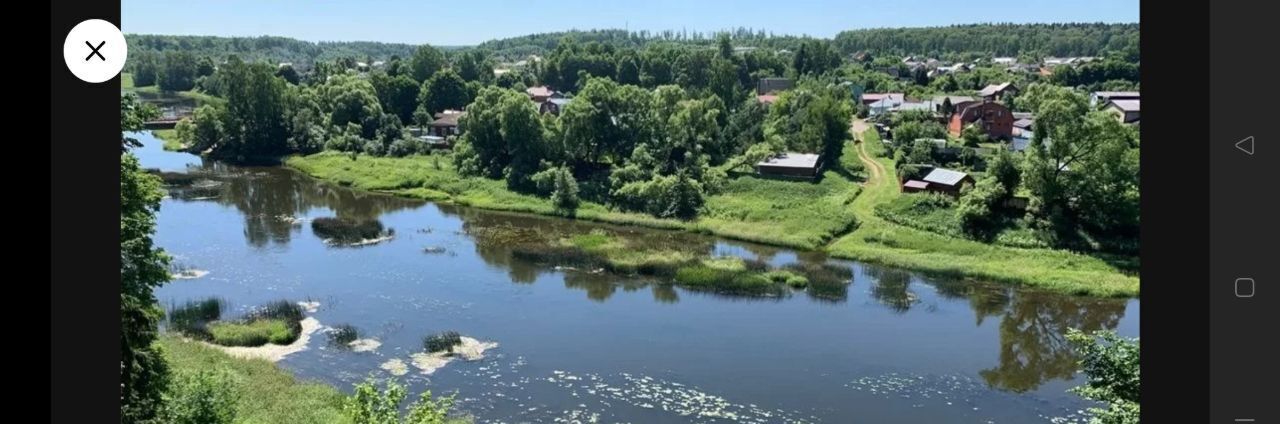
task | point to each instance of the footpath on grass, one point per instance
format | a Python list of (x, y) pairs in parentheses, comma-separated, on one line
[(878, 241)]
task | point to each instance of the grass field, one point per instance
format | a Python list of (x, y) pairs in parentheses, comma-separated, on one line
[(271, 395), (796, 214), (879, 241)]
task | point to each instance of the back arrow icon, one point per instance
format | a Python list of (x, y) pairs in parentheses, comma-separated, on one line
[(1245, 145)]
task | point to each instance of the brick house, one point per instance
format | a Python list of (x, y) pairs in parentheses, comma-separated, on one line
[(993, 118)]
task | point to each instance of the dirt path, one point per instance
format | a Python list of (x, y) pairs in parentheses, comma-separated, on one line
[(873, 166)]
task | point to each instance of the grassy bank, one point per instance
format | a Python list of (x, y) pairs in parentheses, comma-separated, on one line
[(170, 139), (271, 395), (794, 214), (879, 241)]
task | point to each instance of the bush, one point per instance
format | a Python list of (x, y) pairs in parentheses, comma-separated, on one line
[(1112, 364), (979, 206), (368, 405), (252, 332), (346, 230), (343, 335), (405, 147), (564, 193), (201, 397), (443, 342)]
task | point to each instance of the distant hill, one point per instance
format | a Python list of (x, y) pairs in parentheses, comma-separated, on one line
[(266, 48)]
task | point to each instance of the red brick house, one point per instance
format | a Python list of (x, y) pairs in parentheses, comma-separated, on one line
[(993, 118)]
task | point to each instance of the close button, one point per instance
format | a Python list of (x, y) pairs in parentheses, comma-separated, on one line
[(95, 51), (1245, 287)]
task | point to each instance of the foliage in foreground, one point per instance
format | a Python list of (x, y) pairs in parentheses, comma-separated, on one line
[(1112, 364), (205, 396), (368, 405)]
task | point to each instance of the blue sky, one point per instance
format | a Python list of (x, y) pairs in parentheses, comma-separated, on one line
[(465, 22)]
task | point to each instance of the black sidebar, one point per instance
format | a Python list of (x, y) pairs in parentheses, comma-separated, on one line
[(1244, 188)]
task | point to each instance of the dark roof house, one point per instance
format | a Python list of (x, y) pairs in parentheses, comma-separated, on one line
[(946, 180), (446, 123), (996, 91), (1125, 110)]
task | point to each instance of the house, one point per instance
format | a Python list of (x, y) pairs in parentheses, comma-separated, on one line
[(1004, 61), (993, 118), (553, 105), (767, 99), (772, 85), (1103, 97), (942, 180), (892, 98), (446, 123), (914, 186), (540, 93), (1125, 110), (791, 165), (997, 91), (1022, 125)]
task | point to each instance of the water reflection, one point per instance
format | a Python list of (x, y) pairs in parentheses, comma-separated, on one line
[(1032, 348)]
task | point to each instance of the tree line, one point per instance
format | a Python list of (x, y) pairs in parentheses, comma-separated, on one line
[(1076, 39)]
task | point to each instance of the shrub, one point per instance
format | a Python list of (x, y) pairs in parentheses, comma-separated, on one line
[(343, 335), (252, 332), (443, 342), (1112, 364), (201, 397), (368, 405), (346, 230), (979, 206), (404, 147)]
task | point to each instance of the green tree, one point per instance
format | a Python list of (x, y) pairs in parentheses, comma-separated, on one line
[(134, 115), (979, 206), (146, 69), (445, 90), (178, 72), (1112, 365), (628, 71), (254, 122), (368, 405), (973, 136), (426, 61), (565, 191), (398, 95), (1005, 168), (143, 267), (289, 74)]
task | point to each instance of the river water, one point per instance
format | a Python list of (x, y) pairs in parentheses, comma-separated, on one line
[(575, 346)]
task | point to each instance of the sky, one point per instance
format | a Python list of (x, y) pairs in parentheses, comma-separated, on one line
[(468, 22)]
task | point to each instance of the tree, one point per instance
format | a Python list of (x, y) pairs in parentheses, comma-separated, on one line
[(134, 115), (146, 69), (1112, 365), (289, 74), (947, 107), (473, 66), (1004, 167), (143, 267), (444, 90), (565, 192), (368, 405), (978, 206), (746, 127), (426, 61), (254, 122), (352, 100), (178, 72), (628, 72), (398, 95), (809, 121), (973, 136), (908, 132)]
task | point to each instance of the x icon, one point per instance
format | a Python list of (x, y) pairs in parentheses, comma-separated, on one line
[(95, 51)]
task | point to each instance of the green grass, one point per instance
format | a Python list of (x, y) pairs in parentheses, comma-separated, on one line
[(879, 241), (252, 333), (270, 394), (170, 138), (803, 215)]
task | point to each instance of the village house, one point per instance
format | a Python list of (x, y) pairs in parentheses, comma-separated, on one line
[(773, 85), (940, 101), (791, 165), (767, 99), (1004, 61), (997, 91), (939, 180), (1100, 98), (1125, 110), (541, 93), (445, 123), (992, 118)]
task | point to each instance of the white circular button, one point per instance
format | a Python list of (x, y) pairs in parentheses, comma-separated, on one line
[(95, 50)]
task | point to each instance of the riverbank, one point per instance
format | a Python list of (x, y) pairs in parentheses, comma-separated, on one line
[(170, 138), (836, 215), (272, 395), (879, 241), (126, 85), (783, 213)]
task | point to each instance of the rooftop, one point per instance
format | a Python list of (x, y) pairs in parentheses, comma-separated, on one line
[(945, 176), (539, 91), (916, 184), (1118, 94), (767, 98), (992, 89), (1127, 105), (792, 160)]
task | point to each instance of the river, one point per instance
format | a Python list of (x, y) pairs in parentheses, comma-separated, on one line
[(573, 346)]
